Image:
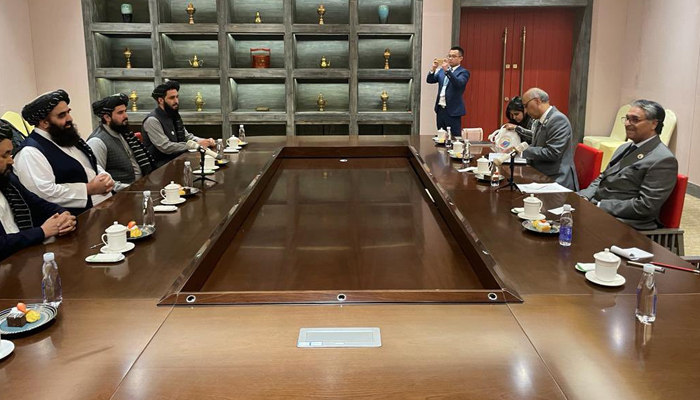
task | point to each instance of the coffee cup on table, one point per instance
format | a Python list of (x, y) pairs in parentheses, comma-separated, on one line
[(532, 207), (457, 147), (114, 237), (606, 265), (483, 166), (209, 162), (171, 193), (233, 142)]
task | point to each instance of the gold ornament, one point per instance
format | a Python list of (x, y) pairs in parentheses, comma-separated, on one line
[(127, 55), (324, 63), (196, 62), (134, 97), (384, 97), (321, 102), (258, 20), (387, 55), (321, 12), (199, 101), (191, 10)]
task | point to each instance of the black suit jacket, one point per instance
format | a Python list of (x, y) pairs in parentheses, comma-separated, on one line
[(40, 209)]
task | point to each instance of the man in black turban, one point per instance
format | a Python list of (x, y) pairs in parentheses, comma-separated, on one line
[(54, 162), (25, 219), (164, 134), (116, 148)]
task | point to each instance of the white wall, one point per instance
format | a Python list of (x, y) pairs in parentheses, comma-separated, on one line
[(17, 78), (437, 40)]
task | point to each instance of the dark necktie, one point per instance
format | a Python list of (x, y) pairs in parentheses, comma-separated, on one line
[(20, 210), (624, 154), (144, 159)]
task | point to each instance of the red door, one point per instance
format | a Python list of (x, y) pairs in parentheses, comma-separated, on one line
[(548, 56)]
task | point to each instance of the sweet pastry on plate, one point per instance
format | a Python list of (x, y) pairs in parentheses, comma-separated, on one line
[(133, 230), (542, 225), (16, 318)]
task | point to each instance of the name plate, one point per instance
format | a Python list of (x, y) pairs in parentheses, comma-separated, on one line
[(339, 337)]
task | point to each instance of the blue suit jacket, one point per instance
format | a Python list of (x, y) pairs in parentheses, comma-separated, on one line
[(457, 81), (40, 209)]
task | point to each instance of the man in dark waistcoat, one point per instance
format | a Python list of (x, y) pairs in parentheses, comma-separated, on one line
[(54, 162), (164, 134), (116, 148), (25, 219)]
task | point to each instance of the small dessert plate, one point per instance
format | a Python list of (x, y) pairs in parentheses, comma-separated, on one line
[(527, 224), (46, 312), (538, 217), (162, 208), (176, 202), (241, 144), (129, 246), (487, 177), (190, 191), (223, 161), (6, 348), (618, 281), (105, 258), (146, 231), (198, 171)]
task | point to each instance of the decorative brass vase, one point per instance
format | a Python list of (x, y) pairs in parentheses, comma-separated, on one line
[(199, 101), (127, 55), (134, 97), (196, 62), (258, 20), (384, 97), (321, 10), (190, 11), (321, 102), (387, 55), (324, 63)]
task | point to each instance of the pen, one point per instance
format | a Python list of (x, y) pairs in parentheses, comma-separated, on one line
[(695, 271)]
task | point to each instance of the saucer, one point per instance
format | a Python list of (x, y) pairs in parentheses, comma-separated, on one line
[(6, 348), (168, 203), (517, 210), (129, 246), (618, 281), (539, 216)]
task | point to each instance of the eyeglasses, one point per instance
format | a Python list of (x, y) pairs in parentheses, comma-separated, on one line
[(453, 56), (528, 102), (632, 120)]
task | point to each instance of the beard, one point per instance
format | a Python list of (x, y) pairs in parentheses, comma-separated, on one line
[(174, 113), (120, 128), (66, 136), (5, 176)]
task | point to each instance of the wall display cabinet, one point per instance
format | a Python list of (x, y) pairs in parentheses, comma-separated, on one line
[(263, 63)]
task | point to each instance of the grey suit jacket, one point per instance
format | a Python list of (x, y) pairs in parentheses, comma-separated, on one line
[(552, 149), (634, 189)]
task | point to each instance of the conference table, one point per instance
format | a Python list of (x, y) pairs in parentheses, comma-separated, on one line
[(469, 304)]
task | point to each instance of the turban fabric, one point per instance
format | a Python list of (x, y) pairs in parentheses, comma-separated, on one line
[(41, 107), (109, 103), (161, 89), (5, 131)]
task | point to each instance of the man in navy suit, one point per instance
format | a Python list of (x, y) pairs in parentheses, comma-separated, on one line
[(451, 78), (25, 218)]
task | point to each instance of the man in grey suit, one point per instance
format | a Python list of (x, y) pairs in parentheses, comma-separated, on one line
[(641, 174), (551, 148)]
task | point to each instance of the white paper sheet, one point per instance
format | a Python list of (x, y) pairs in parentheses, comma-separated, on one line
[(559, 210), (539, 188), (518, 160), (631, 253)]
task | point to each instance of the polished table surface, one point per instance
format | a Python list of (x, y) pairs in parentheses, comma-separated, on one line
[(568, 339)]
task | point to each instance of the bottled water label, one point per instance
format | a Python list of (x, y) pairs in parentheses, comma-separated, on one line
[(565, 233)]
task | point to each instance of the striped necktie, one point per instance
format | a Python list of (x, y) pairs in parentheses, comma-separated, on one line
[(144, 159), (20, 210)]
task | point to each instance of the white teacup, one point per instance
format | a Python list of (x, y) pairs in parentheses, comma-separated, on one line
[(171, 193), (532, 206), (457, 147), (606, 265), (233, 142), (209, 162), (114, 237), (483, 166)]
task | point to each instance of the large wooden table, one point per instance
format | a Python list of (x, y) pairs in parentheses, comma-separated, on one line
[(567, 339)]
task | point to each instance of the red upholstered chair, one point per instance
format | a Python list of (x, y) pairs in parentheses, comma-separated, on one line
[(671, 236), (587, 160), (138, 136)]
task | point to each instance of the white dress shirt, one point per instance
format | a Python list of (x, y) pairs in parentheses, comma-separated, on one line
[(443, 100), (7, 219), (35, 173)]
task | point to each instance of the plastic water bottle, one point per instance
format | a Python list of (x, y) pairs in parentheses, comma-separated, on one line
[(149, 216), (187, 175), (566, 226), (495, 177), (466, 154), (241, 133), (219, 147), (646, 296), (51, 287), (448, 138)]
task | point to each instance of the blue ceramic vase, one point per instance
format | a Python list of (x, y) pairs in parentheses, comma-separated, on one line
[(383, 12)]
